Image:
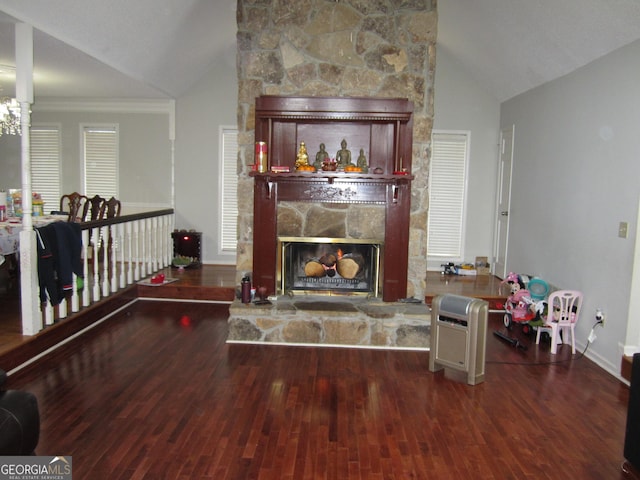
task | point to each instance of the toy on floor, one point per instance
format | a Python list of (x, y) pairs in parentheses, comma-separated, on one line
[(519, 306), (448, 268)]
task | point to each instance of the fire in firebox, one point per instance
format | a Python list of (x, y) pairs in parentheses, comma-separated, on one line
[(329, 266)]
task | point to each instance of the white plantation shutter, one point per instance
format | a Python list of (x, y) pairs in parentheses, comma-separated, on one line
[(100, 161), (447, 192), (229, 189), (45, 165)]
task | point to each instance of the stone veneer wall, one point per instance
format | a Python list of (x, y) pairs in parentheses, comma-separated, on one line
[(335, 220), (375, 48)]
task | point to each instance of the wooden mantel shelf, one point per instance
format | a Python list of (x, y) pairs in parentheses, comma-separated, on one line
[(334, 187), (331, 176)]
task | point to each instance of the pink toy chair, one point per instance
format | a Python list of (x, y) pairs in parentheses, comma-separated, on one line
[(563, 313)]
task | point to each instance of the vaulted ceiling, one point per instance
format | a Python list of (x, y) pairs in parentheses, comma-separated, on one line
[(161, 48), (121, 48), (511, 46)]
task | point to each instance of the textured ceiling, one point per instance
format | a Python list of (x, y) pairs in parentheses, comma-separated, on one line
[(161, 48)]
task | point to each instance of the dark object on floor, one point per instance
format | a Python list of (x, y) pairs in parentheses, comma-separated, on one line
[(513, 341), (19, 421), (632, 432), (410, 300)]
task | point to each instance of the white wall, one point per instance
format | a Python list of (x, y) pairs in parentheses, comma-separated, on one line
[(461, 103), (212, 103), (145, 154), (576, 175)]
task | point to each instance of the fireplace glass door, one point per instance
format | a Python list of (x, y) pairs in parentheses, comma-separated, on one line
[(328, 266)]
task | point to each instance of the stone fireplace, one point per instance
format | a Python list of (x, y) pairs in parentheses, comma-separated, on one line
[(347, 51), (343, 49)]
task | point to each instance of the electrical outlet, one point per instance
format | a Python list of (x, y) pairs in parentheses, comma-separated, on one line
[(623, 228), (600, 317)]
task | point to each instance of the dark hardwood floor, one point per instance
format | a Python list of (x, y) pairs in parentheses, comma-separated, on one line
[(156, 393), (211, 282)]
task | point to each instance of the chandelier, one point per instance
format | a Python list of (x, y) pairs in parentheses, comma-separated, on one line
[(9, 116)]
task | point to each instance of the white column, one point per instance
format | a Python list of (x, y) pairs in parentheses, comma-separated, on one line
[(29, 288)]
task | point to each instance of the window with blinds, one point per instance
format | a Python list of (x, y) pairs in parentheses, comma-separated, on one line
[(228, 200), (45, 165), (100, 148), (447, 193)]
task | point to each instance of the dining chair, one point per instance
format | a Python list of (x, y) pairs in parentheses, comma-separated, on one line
[(73, 204), (93, 209), (563, 312), (111, 208)]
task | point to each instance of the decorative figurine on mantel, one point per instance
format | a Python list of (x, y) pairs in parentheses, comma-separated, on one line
[(321, 157), (302, 158), (362, 161), (343, 157)]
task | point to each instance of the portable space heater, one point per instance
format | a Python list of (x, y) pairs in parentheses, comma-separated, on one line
[(459, 335)]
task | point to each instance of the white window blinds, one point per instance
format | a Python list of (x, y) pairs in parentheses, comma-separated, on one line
[(447, 192), (228, 200), (45, 165), (100, 161)]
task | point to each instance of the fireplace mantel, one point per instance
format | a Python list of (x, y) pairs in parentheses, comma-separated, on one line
[(383, 126), (332, 188)]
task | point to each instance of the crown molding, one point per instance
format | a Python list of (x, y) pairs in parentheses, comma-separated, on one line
[(124, 105)]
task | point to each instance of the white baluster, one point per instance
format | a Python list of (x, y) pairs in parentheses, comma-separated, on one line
[(48, 313), (143, 245), (136, 239), (85, 268), (149, 242), (95, 242), (104, 233), (75, 298), (168, 255), (62, 308), (114, 257), (163, 242), (121, 237), (130, 253), (155, 238)]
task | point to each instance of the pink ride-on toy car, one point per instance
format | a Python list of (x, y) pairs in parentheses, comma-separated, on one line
[(519, 306)]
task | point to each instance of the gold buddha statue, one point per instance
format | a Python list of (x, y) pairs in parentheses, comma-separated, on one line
[(303, 157)]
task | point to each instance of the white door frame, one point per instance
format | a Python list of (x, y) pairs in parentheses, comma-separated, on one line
[(503, 201)]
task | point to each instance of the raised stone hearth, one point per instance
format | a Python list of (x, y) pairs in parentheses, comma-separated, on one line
[(332, 321)]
